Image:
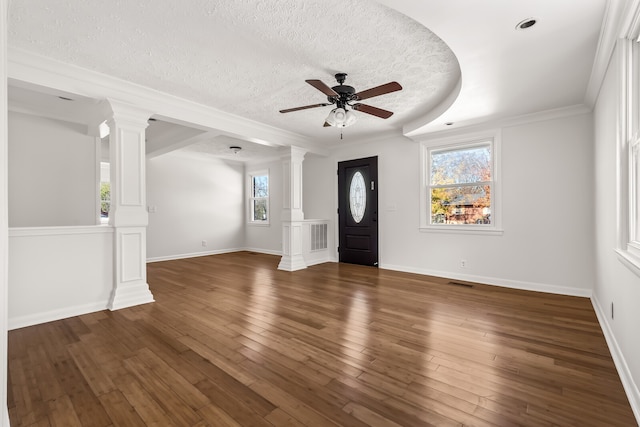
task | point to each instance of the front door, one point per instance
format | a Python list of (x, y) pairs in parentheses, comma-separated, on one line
[(358, 211)]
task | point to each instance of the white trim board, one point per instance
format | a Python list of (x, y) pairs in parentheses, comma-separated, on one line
[(58, 314), (505, 283), (207, 253), (192, 255), (630, 387)]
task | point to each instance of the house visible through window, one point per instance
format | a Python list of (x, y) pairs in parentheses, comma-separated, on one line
[(259, 197), (459, 183)]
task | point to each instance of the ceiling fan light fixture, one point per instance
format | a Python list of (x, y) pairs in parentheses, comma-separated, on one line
[(340, 117), (331, 119), (350, 119)]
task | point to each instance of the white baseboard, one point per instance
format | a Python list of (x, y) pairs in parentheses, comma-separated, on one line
[(630, 387), (50, 316), (193, 255), (263, 251), (514, 284), (319, 261)]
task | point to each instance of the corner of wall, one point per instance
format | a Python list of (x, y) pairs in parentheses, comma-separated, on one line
[(630, 387)]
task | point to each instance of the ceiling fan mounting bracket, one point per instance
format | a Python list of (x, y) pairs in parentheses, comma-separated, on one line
[(346, 93)]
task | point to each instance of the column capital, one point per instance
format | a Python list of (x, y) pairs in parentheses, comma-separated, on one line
[(296, 154), (121, 113)]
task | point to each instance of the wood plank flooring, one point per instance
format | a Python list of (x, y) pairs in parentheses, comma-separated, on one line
[(231, 341)]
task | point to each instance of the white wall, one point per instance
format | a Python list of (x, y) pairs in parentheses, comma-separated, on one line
[(547, 202), (196, 197), (58, 272), (614, 283), (52, 172), (317, 202), (267, 238), (318, 195)]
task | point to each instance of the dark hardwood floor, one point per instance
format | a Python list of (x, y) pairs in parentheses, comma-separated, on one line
[(231, 341)]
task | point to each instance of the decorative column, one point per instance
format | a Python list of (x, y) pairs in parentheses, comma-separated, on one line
[(128, 214), (292, 214)]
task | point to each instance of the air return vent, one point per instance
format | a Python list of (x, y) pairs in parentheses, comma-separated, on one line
[(463, 285), (318, 237)]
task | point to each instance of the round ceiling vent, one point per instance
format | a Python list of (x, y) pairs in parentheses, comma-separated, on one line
[(527, 23)]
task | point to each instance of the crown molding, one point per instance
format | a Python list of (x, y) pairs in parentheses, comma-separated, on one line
[(33, 69), (489, 123), (629, 22), (618, 19)]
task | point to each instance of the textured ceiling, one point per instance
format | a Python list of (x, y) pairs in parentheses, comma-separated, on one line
[(249, 57), (220, 147)]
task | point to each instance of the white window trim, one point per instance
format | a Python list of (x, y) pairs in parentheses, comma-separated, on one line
[(628, 157), (250, 220), (494, 137)]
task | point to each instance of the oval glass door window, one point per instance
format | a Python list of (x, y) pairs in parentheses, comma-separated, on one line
[(357, 197)]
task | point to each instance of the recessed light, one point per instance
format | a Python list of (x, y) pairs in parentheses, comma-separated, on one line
[(449, 124), (151, 119), (64, 98), (527, 23)]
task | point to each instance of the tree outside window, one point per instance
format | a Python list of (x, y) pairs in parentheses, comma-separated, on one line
[(460, 185), (259, 198), (105, 199), (105, 192)]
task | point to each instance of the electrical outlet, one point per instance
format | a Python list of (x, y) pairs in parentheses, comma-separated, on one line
[(204, 243), (463, 263)]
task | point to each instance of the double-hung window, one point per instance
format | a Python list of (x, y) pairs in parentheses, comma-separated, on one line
[(459, 190), (259, 197), (628, 245)]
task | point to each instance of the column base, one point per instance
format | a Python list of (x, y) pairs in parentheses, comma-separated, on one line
[(130, 295), (292, 263)]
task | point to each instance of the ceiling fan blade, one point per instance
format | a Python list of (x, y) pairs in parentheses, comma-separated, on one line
[(318, 84), (378, 90), (288, 110), (374, 111), (326, 125)]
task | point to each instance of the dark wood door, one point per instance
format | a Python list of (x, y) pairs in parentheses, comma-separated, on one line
[(358, 211)]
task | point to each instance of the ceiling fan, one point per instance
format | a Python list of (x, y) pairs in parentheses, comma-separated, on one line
[(344, 96)]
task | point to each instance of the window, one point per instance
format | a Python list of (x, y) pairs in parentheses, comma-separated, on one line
[(105, 192), (628, 245), (259, 197), (459, 190)]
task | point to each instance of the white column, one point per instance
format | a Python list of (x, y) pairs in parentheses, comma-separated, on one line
[(292, 214), (128, 214)]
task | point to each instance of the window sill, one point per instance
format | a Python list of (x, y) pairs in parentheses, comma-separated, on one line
[(460, 229), (259, 224), (631, 261)]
